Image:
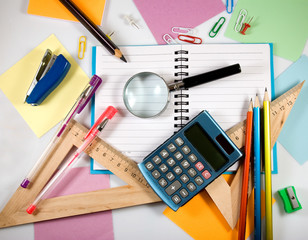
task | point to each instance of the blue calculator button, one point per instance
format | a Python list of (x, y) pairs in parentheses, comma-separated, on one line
[(192, 172), (185, 164), (170, 162), (162, 182), (171, 147), (149, 166), (163, 168), (176, 199), (199, 181), (186, 149), (178, 155), (192, 157), (156, 159), (177, 170), (191, 187), (170, 176), (173, 187), (179, 141), (184, 178), (184, 193), (164, 153), (156, 174)]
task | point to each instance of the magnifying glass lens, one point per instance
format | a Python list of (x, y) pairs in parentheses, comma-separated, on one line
[(146, 94)]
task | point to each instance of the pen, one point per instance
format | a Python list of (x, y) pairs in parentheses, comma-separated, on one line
[(257, 168), (267, 168), (97, 127), (78, 106), (93, 29), (244, 193)]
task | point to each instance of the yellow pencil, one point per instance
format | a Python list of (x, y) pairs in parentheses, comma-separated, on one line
[(267, 168)]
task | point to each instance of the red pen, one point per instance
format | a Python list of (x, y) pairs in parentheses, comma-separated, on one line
[(96, 128)]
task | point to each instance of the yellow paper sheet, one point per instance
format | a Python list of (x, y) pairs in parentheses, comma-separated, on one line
[(15, 83), (53, 8), (201, 219)]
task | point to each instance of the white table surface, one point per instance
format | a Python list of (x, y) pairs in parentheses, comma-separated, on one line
[(20, 148)]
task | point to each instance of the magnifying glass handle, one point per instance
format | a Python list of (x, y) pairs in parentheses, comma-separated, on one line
[(211, 76)]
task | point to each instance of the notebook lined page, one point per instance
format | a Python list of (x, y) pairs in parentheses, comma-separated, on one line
[(135, 137)]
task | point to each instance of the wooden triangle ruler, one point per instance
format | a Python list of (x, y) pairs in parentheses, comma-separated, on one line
[(137, 191)]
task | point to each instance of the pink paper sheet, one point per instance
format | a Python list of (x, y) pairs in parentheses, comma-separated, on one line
[(91, 226), (162, 15)]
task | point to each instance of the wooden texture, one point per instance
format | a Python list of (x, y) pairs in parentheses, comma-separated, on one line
[(137, 191)]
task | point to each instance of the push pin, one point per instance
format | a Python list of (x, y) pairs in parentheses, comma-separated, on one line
[(246, 26), (131, 22)]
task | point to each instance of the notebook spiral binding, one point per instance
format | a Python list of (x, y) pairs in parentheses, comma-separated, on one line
[(181, 97)]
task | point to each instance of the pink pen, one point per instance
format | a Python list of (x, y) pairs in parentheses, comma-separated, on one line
[(90, 136)]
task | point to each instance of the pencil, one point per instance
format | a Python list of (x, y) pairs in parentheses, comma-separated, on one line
[(267, 168), (244, 193), (257, 168), (93, 29)]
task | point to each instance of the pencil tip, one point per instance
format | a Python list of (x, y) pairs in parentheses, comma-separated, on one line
[(123, 59), (265, 89)]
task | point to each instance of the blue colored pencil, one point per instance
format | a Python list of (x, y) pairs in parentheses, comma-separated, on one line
[(257, 168)]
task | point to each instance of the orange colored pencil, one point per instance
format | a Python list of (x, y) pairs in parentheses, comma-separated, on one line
[(244, 194)]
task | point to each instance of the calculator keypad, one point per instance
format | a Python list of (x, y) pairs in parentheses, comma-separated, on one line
[(178, 171)]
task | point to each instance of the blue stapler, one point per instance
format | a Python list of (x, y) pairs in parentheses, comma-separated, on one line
[(49, 75)]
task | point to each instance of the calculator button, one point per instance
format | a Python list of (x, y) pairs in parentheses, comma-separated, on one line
[(179, 141), (156, 174), (184, 178), (173, 187), (149, 166), (184, 193), (192, 172), (192, 157), (199, 180), (177, 170), (199, 166), (163, 168), (191, 187), (206, 174), (164, 153), (171, 147), (178, 155), (170, 176), (186, 149), (185, 164), (162, 182), (176, 199), (170, 162), (156, 159)]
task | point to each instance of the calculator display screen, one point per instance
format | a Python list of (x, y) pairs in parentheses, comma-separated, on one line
[(205, 146)]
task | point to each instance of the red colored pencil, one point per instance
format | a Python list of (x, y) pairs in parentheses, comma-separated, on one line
[(244, 194)]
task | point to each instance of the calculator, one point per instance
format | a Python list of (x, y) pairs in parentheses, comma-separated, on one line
[(189, 160)]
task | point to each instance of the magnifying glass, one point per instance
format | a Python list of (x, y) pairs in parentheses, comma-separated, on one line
[(146, 94)]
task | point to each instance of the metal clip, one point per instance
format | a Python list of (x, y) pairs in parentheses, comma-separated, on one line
[(182, 30), (190, 39), (168, 39), (82, 47), (217, 27), (240, 20)]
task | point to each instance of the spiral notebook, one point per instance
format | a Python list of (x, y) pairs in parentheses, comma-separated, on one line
[(226, 99)]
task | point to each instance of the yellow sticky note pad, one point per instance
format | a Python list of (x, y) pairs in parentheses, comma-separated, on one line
[(201, 219), (15, 83), (54, 8)]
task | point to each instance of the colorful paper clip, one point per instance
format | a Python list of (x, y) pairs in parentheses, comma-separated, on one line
[(246, 26), (217, 27), (82, 47), (229, 7), (190, 39), (241, 18), (168, 39), (182, 30)]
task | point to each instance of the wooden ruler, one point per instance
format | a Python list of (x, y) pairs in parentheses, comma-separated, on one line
[(135, 193)]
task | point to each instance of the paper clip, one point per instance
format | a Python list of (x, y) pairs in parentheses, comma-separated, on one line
[(168, 39), (229, 8), (240, 20), (182, 30), (190, 39), (217, 27), (246, 26), (82, 47)]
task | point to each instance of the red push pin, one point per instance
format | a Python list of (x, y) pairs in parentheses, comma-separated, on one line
[(246, 26)]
